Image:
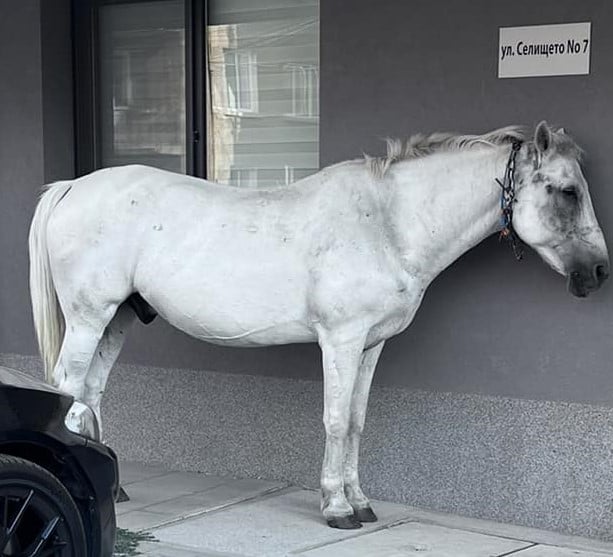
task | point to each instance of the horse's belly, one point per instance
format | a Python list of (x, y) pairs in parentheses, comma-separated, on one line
[(236, 322), (239, 301), (263, 335)]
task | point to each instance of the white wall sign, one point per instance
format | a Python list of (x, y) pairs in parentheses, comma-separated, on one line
[(541, 50)]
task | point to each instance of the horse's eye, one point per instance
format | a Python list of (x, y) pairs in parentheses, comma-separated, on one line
[(570, 192), (548, 188)]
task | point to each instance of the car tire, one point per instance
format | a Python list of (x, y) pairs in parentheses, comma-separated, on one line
[(37, 514)]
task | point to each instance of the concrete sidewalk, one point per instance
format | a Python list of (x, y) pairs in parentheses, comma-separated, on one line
[(194, 515)]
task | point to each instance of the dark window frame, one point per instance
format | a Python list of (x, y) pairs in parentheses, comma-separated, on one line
[(87, 74)]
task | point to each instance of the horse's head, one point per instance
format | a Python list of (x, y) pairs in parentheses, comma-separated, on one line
[(553, 212)]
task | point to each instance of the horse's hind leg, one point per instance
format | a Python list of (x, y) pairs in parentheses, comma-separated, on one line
[(104, 358), (359, 401), (83, 331)]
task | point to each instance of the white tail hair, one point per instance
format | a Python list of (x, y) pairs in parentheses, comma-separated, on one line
[(48, 317)]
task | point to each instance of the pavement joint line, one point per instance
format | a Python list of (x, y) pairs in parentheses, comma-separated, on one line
[(177, 497), (357, 534), (510, 531), (155, 477), (147, 506), (474, 530), (184, 549), (486, 532), (517, 551), (232, 503)]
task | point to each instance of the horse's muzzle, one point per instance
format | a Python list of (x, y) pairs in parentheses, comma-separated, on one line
[(584, 279)]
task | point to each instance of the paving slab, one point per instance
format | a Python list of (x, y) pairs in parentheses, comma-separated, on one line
[(513, 531), (172, 485), (274, 526), (552, 551), (163, 488), (142, 520), (425, 540), (217, 497), (194, 515), (169, 497), (130, 472)]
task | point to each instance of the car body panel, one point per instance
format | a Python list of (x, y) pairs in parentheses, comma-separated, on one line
[(32, 426)]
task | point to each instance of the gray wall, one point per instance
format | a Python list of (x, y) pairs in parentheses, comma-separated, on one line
[(488, 324), (36, 142), (21, 162)]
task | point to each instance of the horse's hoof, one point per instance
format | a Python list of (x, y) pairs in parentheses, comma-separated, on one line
[(365, 515), (349, 522)]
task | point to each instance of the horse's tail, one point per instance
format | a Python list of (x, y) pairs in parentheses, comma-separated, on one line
[(48, 317)]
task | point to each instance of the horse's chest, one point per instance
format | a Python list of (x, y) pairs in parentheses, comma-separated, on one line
[(398, 307), (381, 298)]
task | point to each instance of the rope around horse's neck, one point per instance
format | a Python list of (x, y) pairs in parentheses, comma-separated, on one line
[(507, 199)]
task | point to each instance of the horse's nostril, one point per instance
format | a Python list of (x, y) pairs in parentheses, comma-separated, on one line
[(601, 271)]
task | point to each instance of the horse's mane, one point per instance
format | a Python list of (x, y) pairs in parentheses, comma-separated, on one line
[(420, 145)]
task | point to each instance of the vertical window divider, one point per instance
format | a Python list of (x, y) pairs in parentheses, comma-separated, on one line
[(196, 86)]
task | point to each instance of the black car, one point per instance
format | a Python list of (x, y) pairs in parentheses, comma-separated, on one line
[(57, 487)]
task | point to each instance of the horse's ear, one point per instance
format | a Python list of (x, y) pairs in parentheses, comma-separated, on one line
[(542, 137)]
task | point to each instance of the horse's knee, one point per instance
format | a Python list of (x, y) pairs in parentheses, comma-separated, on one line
[(357, 420), (336, 427)]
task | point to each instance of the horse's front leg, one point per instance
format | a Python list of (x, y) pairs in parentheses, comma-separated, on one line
[(341, 358), (356, 498)]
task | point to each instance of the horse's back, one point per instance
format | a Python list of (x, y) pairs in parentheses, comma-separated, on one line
[(198, 252), (220, 262)]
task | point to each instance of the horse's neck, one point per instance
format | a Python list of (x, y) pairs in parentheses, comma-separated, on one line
[(445, 204)]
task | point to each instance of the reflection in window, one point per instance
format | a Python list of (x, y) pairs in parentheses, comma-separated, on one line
[(142, 85), (122, 82), (241, 81), (305, 88), (263, 91)]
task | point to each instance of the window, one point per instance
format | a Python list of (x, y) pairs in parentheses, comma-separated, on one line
[(222, 89), (264, 91), (142, 84)]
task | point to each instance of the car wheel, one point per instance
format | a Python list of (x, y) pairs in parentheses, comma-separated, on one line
[(38, 517)]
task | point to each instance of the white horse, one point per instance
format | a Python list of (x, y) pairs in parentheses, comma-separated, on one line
[(341, 258)]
